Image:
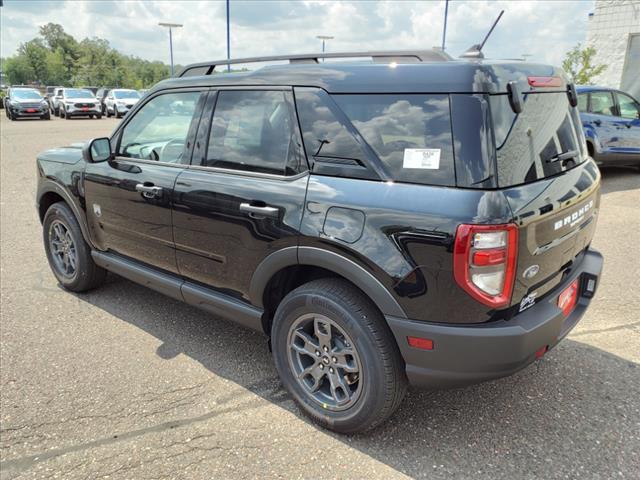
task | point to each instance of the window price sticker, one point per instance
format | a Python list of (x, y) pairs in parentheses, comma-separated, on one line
[(425, 158)]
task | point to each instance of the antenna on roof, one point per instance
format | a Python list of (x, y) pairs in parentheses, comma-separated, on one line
[(475, 51)]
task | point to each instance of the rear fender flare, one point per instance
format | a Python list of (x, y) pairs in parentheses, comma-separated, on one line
[(332, 261)]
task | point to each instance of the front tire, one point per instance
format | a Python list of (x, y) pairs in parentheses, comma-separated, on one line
[(68, 254), (337, 357)]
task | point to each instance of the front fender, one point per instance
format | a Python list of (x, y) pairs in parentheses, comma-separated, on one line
[(51, 186)]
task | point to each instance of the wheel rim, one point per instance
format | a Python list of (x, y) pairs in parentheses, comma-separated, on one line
[(63, 249), (324, 361)]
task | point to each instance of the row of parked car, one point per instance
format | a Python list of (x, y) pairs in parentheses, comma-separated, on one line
[(63, 102)]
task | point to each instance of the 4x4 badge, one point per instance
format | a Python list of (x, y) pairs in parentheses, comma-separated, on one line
[(531, 271)]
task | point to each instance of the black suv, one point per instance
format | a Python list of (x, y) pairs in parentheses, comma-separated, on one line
[(415, 219)]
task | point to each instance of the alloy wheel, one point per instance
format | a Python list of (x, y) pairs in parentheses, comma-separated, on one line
[(63, 249), (324, 361)]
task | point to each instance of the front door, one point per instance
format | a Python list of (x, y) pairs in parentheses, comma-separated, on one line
[(602, 118), (129, 198), (242, 198), (629, 111)]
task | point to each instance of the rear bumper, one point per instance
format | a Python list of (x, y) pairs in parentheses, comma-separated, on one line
[(468, 354)]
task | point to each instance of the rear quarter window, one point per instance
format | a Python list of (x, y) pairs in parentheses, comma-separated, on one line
[(410, 134)]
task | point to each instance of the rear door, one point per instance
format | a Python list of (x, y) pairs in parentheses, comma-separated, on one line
[(129, 198), (552, 186), (243, 196)]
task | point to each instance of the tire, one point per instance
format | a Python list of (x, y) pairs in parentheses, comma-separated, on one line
[(46, 116), (56, 112), (10, 115), (99, 117), (85, 274), (108, 112), (372, 385)]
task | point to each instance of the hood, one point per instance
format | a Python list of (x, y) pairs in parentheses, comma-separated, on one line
[(81, 100), (128, 101), (70, 154), (28, 100)]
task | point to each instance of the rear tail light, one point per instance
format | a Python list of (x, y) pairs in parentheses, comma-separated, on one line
[(484, 262), (545, 81), (568, 298)]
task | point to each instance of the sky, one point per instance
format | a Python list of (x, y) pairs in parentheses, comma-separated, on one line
[(545, 30)]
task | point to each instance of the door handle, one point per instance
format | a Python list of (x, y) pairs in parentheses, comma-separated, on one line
[(149, 191), (597, 122), (259, 211)]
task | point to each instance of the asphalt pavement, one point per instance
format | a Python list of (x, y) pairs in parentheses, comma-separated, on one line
[(123, 383)]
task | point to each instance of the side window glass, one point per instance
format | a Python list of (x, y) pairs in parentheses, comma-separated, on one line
[(410, 133), (324, 133), (628, 107), (602, 103), (254, 131), (158, 131), (582, 102)]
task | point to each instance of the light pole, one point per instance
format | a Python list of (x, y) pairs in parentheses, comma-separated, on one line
[(324, 38), (170, 26), (444, 29), (228, 41)]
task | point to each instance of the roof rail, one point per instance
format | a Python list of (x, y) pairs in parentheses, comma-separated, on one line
[(434, 55)]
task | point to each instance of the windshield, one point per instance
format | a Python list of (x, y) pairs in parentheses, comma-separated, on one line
[(126, 94), (77, 93), (26, 95), (545, 139)]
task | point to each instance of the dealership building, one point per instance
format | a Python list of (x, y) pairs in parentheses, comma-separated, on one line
[(614, 31)]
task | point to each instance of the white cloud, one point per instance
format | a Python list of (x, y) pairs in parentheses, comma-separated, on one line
[(543, 29)]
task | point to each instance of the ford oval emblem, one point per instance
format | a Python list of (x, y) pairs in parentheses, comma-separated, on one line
[(531, 271)]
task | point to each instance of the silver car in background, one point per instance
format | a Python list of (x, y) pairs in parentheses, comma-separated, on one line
[(120, 100)]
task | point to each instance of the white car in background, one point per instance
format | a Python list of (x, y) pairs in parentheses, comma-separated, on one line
[(120, 101), (78, 102)]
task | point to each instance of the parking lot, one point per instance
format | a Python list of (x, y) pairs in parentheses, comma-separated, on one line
[(124, 383)]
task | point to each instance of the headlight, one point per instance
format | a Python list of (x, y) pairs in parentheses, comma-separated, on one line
[(44, 103)]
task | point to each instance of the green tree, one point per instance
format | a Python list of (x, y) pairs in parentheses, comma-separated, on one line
[(57, 39), (18, 70), (35, 54), (56, 70), (578, 63)]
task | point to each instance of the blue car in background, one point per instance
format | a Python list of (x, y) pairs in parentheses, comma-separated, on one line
[(611, 123)]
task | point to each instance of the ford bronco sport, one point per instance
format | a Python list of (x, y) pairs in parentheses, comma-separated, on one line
[(411, 219)]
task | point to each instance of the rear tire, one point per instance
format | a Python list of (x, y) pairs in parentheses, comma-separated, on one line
[(337, 357), (68, 254)]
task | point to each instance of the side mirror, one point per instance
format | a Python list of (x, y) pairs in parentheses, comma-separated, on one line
[(97, 150)]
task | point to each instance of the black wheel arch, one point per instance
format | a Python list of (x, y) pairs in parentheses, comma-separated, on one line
[(50, 192), (315, 263)]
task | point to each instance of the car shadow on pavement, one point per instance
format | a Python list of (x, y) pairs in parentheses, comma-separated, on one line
[(574, 413), (619, 179)]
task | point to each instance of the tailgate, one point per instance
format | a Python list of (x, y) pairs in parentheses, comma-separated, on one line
[(557, 219)]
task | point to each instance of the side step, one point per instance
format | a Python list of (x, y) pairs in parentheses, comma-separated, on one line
[(176, 287)]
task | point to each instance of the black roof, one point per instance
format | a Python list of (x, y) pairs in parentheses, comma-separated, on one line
[(448, 76)]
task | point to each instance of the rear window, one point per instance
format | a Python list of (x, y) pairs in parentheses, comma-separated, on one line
[(410, 134), (545, 139)]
